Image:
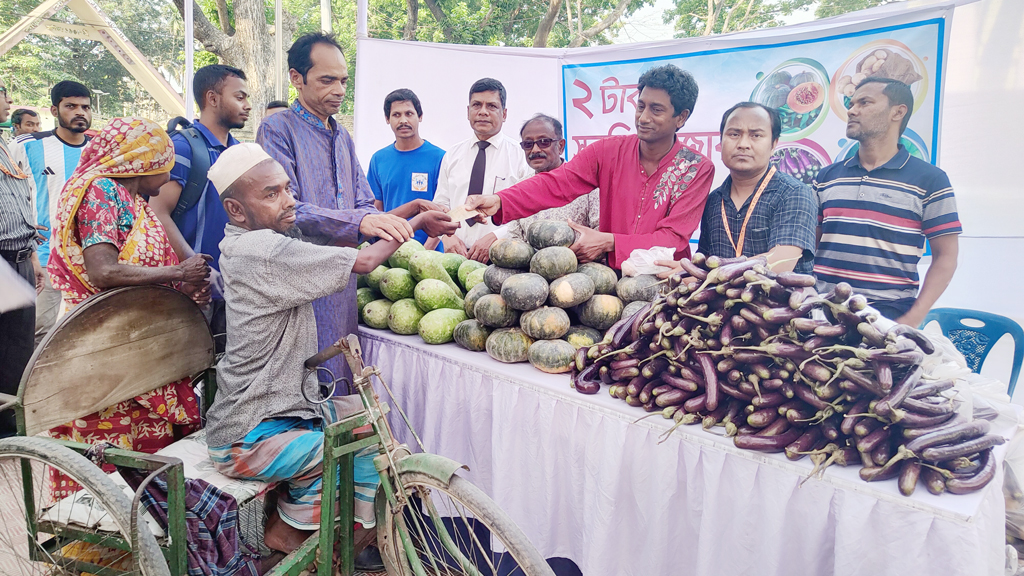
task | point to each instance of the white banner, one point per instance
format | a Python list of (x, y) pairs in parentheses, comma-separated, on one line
[(807, 76)]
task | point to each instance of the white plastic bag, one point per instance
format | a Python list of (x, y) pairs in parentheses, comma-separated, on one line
[(642, 261)]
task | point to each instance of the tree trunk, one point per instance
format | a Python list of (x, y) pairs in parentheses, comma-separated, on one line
[(709, 24), (224, 17), (412, 10), (250, 48), (601, 26), (540, 39), (442, 20)]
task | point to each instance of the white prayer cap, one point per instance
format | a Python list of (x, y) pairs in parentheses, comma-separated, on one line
[(234, 162)]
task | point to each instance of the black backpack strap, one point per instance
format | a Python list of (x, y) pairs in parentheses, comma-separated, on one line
[(197, 174), (173, 123)]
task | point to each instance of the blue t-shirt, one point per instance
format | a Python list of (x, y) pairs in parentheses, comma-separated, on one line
[(202, 225), (398, 177)]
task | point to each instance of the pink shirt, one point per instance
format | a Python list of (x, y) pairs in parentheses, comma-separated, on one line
[(662, 209)]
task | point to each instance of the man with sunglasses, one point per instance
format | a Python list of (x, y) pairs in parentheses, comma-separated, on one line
[(17, 249), (542, 142), (653, 189)]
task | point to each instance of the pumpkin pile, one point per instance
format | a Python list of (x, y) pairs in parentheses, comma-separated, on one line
[(536, 303), (533, 303)]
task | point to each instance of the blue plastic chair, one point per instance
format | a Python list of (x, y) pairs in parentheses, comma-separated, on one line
[(976, 342)]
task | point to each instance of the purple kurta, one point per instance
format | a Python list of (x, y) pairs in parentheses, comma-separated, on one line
[(333, 196)]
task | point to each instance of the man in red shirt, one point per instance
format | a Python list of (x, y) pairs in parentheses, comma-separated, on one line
[(653, 188)]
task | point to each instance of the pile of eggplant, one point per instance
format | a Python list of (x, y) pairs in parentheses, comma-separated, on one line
[(731, 344)]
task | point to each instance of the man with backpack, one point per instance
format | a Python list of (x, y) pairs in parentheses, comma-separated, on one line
[(189, 206)]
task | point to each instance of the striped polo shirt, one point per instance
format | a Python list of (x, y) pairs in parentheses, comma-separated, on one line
[(874, 224)]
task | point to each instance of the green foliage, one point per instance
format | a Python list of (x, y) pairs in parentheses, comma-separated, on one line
[(704, 17), (827, 8), (156, 28), (493, 22), (38, 62)]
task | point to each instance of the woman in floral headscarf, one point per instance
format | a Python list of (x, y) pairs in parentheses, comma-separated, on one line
[(106, 235)]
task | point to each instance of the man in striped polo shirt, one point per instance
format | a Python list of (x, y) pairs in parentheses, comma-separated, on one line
[(876, 209)]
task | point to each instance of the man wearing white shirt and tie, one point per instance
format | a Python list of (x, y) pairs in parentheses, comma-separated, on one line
[(484, 164)]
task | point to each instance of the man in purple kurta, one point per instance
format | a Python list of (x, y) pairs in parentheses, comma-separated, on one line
[(335, 203)]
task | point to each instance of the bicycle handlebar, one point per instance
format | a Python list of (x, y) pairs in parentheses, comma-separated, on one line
[(323, 355), (349, 345)]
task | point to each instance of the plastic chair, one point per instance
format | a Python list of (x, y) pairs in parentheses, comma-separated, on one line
[(976, 342)]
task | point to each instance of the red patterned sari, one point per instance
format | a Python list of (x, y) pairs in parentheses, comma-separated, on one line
[(94, 208)]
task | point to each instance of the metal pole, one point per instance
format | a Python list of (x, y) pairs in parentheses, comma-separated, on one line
[(325, 16), (189, 43), (279, 89), (361, 10)]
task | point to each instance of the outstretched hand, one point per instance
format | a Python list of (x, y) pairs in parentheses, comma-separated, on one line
[(591, 244), (487, 205), (435, 223), (672, 264), (386, 227), (482, 248), (454, 245)]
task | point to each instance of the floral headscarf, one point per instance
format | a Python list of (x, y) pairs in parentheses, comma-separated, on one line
[(125, 147)]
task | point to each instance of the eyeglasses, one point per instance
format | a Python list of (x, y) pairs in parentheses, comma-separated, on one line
[(3, 90), (544, 143)]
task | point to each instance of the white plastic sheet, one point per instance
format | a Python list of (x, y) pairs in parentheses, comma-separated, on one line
[(587, 483)]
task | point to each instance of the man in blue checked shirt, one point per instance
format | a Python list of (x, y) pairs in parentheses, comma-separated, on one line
[(758, 210), (223, 99)]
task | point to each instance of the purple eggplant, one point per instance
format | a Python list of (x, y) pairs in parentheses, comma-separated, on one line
[(986, 472), (908, 477), (899, 393), (949, 452), (950, 435), (930, 388), (768, 443)]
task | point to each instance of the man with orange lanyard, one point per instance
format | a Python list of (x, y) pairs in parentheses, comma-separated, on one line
[(757, 209)]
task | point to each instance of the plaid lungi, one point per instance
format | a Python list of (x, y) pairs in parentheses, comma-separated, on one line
[(290, 450)]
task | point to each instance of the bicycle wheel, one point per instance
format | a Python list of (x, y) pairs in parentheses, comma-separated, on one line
[(57, 543), (454, 529)]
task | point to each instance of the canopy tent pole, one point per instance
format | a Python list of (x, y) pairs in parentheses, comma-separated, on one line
[(362, 7), (189, 44), (279, 89), (325, 16)]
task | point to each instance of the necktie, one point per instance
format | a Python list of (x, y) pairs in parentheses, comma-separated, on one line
[(476, 176)]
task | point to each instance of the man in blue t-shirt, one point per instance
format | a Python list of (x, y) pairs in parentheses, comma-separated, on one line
[(223, 99), (407, 170), (50, 157)]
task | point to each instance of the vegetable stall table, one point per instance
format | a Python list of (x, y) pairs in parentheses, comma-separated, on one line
[(587, 482)]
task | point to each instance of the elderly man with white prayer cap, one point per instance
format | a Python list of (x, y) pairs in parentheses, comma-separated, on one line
[(260, 425)]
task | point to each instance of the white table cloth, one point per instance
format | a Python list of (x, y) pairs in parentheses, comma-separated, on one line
[(585, 481)]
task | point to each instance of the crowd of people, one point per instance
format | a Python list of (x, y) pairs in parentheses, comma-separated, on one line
[(262, 235)]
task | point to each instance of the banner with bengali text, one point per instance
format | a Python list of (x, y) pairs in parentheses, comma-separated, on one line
[(809, 80)]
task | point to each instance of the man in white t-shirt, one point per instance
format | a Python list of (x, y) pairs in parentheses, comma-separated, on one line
[(484, 164)]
